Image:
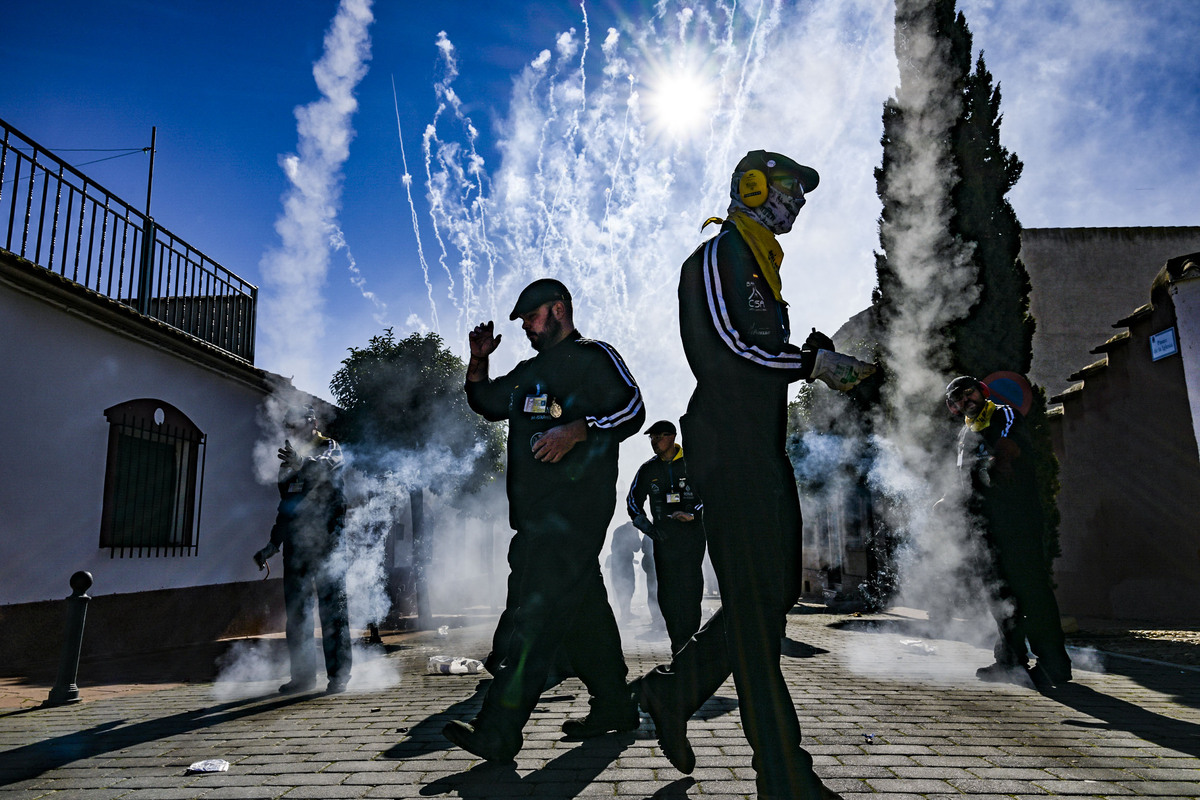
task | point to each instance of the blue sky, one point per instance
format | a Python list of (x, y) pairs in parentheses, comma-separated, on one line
[(1100, 102)]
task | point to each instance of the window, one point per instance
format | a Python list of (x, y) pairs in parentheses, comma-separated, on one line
[(153, 482)]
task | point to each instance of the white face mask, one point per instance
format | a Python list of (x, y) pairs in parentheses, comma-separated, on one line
[(779, 213)]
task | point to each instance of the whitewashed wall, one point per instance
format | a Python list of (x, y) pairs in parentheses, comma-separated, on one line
[(60, 372)]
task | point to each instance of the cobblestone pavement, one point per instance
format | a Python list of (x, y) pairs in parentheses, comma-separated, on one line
[(884, 712)]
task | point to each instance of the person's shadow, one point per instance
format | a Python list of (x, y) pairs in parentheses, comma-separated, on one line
[(1121, 715), (31, 760), (1115, 713), (567, 776)]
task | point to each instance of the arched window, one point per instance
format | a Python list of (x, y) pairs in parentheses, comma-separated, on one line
[(153, 482)]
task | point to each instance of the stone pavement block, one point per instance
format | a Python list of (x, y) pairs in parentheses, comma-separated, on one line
[(245, 792), (161, 793), (937, 773), (302, 778), (1094, 774), (966, 762), (915, 786), (855, 771), (325, 792), (1164, 788), (973, 786), (1166, 774), (1009, 773), (356, 765), (1087, 787)]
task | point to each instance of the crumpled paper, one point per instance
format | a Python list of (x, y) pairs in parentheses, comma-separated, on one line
[(454, 665)]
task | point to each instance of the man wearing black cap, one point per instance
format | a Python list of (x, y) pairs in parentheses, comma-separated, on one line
[(994, 460), (735, 330), (308, 526), (677, 531), (568, 408)]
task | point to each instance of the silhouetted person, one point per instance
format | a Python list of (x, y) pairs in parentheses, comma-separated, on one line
[(568, 408), (995, 460), (308, 527), (735, 330), (626, 542), (677, 531)]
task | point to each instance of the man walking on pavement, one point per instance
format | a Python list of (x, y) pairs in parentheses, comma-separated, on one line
[(735, 330), (677, 531), (568, 409), (996, 465)]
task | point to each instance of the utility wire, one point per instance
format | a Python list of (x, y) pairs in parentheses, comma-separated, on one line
[(121, 152)]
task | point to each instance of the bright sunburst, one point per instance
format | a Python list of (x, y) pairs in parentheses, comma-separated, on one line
[(679, 99)]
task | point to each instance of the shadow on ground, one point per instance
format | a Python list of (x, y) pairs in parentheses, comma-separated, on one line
[(1181, 685), (30, 761), (565, 776)]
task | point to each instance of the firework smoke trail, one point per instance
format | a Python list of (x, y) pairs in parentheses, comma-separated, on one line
[(406, 179), (292, 320), (590, 191), (337, 240)]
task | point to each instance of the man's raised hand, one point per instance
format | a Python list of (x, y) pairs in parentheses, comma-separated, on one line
[(483, 340)]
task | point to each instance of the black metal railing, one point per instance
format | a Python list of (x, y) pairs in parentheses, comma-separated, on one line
[(56, 217)]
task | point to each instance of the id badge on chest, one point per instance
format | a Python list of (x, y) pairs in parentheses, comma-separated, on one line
[(672, 497), (537, 403)]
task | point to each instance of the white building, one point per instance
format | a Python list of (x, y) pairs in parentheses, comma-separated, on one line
[(131, 405)]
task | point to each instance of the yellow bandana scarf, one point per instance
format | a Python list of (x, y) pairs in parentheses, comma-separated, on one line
[(763, 244), (984, 419)]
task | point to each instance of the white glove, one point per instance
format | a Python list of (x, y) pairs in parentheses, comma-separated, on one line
[(839, 371)]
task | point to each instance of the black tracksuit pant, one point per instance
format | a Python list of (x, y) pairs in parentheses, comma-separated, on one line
[(304, 574), (752, 522), (678, 565), (556, 598)]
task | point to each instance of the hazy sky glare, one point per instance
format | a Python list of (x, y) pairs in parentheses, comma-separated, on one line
[(1100, 102)]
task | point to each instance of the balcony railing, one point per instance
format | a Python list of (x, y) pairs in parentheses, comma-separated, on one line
[(54, 216)]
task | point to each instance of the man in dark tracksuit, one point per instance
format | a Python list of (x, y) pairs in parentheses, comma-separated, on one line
[(568, 409), (994, 458), (735, 333), (308, 526), (677, 532)]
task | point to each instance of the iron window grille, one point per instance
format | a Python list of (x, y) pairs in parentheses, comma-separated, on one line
[(154, 481)]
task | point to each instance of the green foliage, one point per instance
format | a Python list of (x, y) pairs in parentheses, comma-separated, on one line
[(407, 395), (998, 333)]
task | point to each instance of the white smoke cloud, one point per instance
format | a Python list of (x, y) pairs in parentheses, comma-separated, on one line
[(940, 563), (292, 315)]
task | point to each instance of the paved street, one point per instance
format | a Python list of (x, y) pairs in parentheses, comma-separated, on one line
[(884, 711)]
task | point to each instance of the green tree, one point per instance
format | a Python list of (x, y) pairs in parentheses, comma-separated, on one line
[(406, 395)]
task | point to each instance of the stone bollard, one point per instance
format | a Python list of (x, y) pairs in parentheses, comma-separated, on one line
[(65, 691)]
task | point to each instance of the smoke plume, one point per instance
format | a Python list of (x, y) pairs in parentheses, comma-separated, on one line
[(292, 319), (940, 562)]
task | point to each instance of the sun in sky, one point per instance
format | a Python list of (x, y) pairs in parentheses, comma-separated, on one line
[(679, 95)]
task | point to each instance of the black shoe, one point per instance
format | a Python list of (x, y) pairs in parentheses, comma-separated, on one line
[(598, 723), (473, 740), (670, 729), (337, 685), (1004, 673), (294, 686)]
